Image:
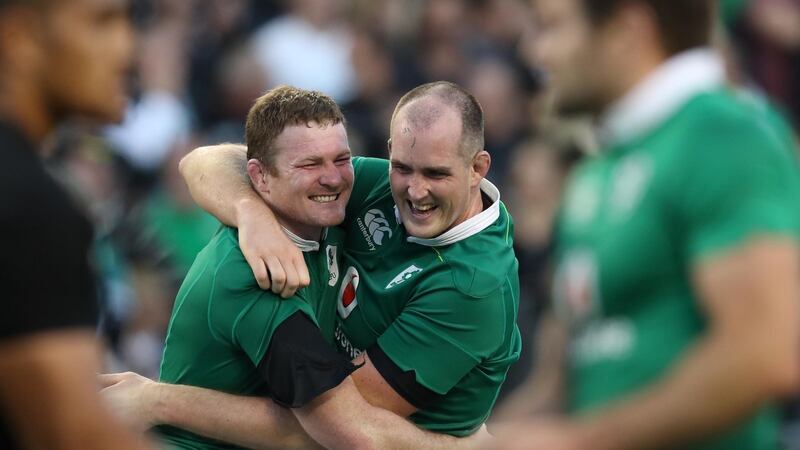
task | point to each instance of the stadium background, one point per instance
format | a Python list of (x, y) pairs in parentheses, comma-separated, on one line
[(201, 63)]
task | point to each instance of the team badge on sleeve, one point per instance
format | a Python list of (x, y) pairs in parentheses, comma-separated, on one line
[(333, 265), (347, 300)]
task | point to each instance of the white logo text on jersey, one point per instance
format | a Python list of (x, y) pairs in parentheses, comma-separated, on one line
[(344, 343), (403, 276)]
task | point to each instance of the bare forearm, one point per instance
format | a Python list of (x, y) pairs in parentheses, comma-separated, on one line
[(394, 432), (713, 388), (342, 419), (217, 179), (251, 422)]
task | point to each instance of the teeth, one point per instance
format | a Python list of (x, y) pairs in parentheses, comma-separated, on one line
[(422, 208), (324, 198)]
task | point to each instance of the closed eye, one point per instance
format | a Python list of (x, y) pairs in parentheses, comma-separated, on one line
[(401, 168), (436, 175)]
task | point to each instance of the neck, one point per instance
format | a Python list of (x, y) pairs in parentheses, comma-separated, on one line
[(22, 106), (307, 232), (475, 206), (640, 67), (299, 229)]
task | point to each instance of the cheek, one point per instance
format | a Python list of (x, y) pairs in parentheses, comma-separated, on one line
[(303, 182), (286, 190), (347, 175), (397, 182), (79, 76)]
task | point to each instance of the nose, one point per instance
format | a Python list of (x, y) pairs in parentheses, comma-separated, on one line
[(541, 52), (543, 47), (331, 177), (417, 188)]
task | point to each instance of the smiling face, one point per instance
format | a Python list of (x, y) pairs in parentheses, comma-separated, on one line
[(434, 185), (311, 180)]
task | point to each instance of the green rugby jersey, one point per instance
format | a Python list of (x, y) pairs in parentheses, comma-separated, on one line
[(222, 322), (689, 168), (445, 308)]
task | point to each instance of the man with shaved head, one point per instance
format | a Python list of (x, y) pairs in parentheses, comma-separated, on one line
[(57, 59)]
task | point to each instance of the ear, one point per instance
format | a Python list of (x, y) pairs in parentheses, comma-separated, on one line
[(259, 175), (481, 163)]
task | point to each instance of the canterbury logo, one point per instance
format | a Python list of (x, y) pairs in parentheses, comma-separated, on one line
[(377, 225), (403, 276)]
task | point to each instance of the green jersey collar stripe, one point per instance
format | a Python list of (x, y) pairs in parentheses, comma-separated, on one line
[(303, 244), (660, 94), (469, 227)]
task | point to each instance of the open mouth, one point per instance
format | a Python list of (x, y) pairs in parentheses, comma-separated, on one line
[(420, 210), (324, 198)]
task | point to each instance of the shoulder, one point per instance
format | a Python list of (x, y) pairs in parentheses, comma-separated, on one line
[(723, 139), (370, 170), (371, 199), (483, 265), (222, 260), (725, 122), (364, 163), (33, 189)]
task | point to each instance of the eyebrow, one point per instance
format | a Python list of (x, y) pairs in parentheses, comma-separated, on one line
[(317, 159), (434, 169), (437, 170)]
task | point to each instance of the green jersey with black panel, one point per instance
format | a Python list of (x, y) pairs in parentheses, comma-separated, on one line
[(444, 308)]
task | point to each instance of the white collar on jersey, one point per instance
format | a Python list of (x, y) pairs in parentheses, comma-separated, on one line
[(660, 94), (304, 244), (469, 227)]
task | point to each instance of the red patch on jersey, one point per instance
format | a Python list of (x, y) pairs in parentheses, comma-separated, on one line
[(349, 293)]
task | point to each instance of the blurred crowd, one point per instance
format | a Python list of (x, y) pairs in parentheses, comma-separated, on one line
[(201, 63)]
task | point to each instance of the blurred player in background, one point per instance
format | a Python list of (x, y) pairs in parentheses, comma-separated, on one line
[(677, 254), (57, 59)]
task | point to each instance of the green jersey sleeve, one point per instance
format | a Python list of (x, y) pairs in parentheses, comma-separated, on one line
[(442, 334), (253, 328), (369, 174), (243, 315), (741, 180)]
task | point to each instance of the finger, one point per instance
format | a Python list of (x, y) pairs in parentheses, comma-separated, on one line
[(259, 271), (292, 281), (109, 379), (302, 272), (276, 274)]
